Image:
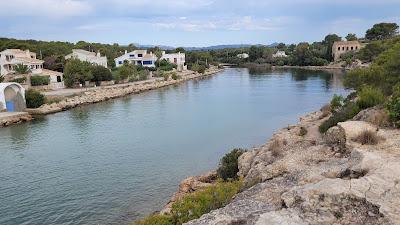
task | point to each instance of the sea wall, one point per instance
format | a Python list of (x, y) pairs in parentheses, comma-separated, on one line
[(111, 92)]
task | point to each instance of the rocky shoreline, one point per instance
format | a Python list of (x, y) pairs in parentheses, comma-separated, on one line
[(311, 178), (106, 93), (8, 119)]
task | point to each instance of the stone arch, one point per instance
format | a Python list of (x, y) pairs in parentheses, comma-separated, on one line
[(14, 99)]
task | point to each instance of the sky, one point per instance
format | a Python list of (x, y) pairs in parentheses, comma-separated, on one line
[(191, 23)]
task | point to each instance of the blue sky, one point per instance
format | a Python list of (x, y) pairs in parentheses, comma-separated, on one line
[(191, 22)]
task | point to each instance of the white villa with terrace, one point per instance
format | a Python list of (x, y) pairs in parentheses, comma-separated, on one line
[(137, 57), (87, 56), (176, 58), (9, 58)]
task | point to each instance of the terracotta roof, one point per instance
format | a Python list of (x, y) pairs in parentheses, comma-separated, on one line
[(29, 60)]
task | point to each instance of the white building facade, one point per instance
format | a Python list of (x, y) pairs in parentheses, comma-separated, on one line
[(280, 54), (179, 59), (243, 56), (10, 58), (137, 57), (86, 56)]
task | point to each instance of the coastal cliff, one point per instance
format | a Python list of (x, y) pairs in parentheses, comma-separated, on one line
[(303, 177)]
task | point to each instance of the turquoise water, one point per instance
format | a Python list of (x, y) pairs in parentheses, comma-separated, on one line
[(116, 161)]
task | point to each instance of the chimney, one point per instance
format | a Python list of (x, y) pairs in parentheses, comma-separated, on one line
[(98, 53), (126, 51), (163, 52), (28, 53)]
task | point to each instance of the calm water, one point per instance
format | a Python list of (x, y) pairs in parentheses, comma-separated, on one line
[(114, 162)]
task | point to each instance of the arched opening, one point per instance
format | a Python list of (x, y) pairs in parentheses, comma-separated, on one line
[(13, 98)]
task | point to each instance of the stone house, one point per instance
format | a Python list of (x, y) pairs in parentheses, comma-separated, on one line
[(341, 47), (86, 56), (179, 59), (10, 58)]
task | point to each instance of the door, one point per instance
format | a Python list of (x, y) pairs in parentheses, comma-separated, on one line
[(10, 106)]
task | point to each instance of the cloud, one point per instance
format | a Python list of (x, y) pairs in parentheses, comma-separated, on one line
[(139, 8), (249, 23), (191, 26), (44, 8)]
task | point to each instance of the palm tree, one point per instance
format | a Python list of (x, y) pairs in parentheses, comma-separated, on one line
[(22, 69)]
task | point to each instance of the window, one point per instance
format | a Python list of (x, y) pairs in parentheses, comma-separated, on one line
[(347, 48), (120, 62), (343, 48), (147, 62), (132, 56), (338, 49), (352, 48), (356, 47), (58, 79), (140, 55)]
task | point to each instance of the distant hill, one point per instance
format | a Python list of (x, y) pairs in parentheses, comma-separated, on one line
[(233, 46), (213, 47)]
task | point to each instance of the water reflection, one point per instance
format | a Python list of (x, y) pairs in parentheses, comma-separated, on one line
[(113, 162)]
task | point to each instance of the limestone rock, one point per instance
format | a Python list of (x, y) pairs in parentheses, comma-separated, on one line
[(309, 184)]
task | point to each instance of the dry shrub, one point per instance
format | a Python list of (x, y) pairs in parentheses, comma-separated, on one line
[(326, 110), (275, 148), (381, 119), (367, 137), (303, 131)]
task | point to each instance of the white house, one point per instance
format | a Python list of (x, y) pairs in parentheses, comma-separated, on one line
[(12, 97), (137, 57), (243, 56), (9, 58), (280, 54), (87, 56), (179, 59)]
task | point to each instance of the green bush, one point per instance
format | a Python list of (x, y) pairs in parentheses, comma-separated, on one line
[(393, 107), (165, 65), (166, 76), (20, 80), (199, 203), (198, 68), (101, 73), (40, 80), (1, 79), (156, 220), (369, 97), (194, 205), (383, 72), (347, 112), (174, 76), (336, 102), (228, 167), (77, 72), (34, 99)]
